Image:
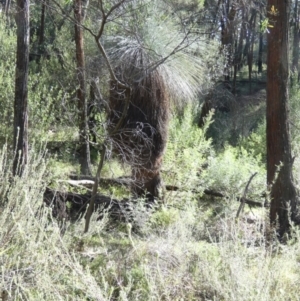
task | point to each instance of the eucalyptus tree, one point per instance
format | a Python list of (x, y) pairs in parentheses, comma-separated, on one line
[(283, 193), (21, 87), (84, 145), (296, 33), (235, 22)]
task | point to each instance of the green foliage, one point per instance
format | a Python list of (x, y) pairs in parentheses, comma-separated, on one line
[(7, 79), (187, 152), (184, 61), (164, 218), (35, 261), (191, 163), (179, 253), (256, 143), (294, 110), (186, 250), (230, 171)]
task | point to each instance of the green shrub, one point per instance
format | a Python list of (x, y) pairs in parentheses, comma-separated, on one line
[(36, 263), (187, 152), (7, 78), (256, 143), (231, 169)]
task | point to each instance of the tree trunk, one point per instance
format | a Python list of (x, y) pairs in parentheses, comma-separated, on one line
[(41, 46), (283, 193), (295, 61), (21, 101), (251, 44), (260, 47), (84, 147), (7, 7), (227, 34), (238, 51)]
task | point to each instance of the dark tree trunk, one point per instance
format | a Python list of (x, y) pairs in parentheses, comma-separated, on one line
[(295, 62), (84, 147), (260, 48), (283, 193), (41, 46), (238, 51), (251, 44), (7, 7), (21, 101), (92, 113), (227, 34)]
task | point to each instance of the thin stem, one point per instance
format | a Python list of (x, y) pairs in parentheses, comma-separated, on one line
[(94, 192)]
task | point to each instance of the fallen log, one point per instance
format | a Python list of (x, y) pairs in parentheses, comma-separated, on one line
[(122, 181), (222, 195), (239, 199), (72, 206), (126, 181)]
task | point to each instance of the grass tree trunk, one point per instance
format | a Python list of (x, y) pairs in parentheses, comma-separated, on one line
[(84, 147), (21, 93), (283, 193)]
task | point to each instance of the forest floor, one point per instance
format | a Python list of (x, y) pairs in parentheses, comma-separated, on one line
[(194, 246)]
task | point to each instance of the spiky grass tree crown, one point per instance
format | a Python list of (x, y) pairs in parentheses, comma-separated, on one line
[(149, 39)]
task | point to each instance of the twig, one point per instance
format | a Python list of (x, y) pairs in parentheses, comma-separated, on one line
[(94, 192), (243, 199)]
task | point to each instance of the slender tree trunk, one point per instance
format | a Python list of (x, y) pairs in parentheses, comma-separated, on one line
[(250, 52), (227, 35), (295, 61), (91, 113), (21, 101), (239, 50), (283, 193), (7, 7), (260, 47), (84, 147), (41, 46)]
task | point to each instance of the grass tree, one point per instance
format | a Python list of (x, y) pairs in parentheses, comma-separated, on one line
[(163, 64), (154, 64)]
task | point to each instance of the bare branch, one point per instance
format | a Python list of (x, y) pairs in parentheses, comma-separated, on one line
[(243, 199)]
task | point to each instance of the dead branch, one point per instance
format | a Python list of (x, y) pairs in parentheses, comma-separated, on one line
[(222, 195), (94, 191), (126, 181), (243, 198), (78, 203)]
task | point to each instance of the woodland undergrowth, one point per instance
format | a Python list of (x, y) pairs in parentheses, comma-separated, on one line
[(193, 248)]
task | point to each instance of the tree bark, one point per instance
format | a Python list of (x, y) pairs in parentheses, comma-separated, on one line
[(283, 193), (227, 34), (7, 7), (239, 50), (21, 81), (295, 60), (41, 46), (84, 147), (251, 44), (260, 47)]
